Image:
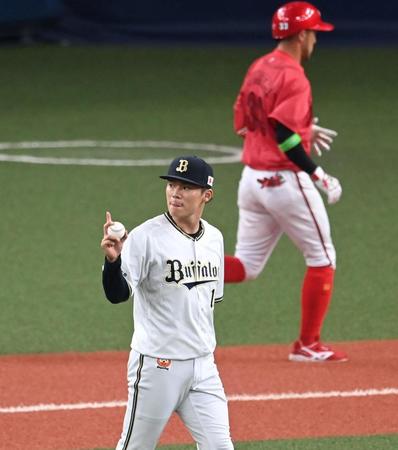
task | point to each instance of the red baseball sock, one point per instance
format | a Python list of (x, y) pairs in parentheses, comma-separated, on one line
[(316, 294), (234, 271)]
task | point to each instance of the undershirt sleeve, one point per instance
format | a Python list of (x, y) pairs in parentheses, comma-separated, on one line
[(289, 143), (115, 285)]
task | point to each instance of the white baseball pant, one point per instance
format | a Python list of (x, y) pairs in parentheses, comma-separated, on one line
[(191, 388), (294, 207)]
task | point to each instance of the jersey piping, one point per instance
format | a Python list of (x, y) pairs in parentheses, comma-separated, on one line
[(196, 238), (318, 228), (134, 407)]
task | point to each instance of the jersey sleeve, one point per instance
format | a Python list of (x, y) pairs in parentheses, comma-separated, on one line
[(294, 106), (135, 259), (220, 283), (240, 113)]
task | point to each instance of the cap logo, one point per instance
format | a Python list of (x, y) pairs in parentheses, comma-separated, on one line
[(183, 167), (309, 12), (210, 180)]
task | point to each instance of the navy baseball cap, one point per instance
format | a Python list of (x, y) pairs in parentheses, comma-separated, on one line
[(191, 169)]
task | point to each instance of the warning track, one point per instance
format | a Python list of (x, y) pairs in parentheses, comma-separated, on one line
[(77, 400)]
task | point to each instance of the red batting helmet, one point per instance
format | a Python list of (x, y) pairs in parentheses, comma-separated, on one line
[(293, 17)]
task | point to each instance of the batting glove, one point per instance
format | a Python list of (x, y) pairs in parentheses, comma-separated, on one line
[(327, 184), (322, 138)]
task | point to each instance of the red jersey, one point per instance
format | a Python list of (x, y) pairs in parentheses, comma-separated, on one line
[(275, 89)]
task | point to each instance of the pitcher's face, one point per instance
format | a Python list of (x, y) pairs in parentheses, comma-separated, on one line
[(185, 200)]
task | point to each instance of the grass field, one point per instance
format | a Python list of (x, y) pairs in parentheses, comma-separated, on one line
[(369, 443), (52, 216)]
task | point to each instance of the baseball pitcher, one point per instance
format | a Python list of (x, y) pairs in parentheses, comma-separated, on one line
[(173, 266)]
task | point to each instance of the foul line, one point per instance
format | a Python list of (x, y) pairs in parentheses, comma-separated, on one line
[(231, 398)]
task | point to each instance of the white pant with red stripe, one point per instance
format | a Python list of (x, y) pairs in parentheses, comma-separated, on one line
[(266, 211), (191, 388)]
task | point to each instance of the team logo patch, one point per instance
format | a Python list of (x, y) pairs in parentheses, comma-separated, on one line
[(210, 180), (275, 180), (163, 363)]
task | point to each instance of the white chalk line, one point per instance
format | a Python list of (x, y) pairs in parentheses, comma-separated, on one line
[(231, 154), (232, 398)]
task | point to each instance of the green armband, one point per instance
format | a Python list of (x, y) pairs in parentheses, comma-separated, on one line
[(290, 142)]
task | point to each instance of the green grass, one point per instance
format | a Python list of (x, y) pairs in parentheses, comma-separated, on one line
[(353, 443), (52, 216)]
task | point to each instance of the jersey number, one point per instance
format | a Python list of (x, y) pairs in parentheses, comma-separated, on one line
[(213, 291), (256, 117)]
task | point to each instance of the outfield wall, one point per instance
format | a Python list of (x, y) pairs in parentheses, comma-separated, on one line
[(126, 21)]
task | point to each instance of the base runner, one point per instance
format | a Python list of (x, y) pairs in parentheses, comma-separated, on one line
[(277, 193), (173, 265)]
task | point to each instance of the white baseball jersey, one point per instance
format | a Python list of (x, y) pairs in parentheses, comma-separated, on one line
[(175, 280)]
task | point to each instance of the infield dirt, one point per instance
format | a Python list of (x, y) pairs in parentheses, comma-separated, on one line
[(270, 397)]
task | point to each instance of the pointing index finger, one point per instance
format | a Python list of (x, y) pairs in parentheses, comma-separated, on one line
[(108, 222)]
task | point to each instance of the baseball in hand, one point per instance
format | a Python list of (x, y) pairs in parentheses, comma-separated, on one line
[(117, 230)]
